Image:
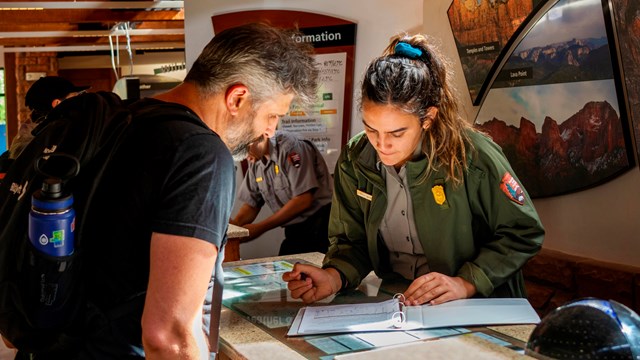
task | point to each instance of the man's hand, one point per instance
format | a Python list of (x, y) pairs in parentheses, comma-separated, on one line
[(435, 288), (311, 283)]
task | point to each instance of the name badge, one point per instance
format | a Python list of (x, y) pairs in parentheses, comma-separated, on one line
[(364, 195)]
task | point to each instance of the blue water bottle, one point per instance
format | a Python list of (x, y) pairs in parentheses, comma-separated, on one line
[(52, 220), (50, 278)]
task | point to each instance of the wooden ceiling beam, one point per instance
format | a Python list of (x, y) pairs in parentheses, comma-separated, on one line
[(18, 27), (77, 26), (61, 41), (160, 24), (6, 27), (83, 15), (90, 4)]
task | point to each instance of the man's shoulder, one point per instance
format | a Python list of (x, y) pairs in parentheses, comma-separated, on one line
[(158, 109), (174, 118)]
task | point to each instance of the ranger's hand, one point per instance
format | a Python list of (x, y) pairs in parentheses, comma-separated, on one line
[(435, 288), (311, 283)]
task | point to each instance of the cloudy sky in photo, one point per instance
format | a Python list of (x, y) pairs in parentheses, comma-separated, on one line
[(558, 101)]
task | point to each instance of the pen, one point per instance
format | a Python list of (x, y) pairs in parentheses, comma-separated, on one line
[(303, 276)]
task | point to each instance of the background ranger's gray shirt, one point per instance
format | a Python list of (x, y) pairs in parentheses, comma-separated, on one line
[(294, 166)]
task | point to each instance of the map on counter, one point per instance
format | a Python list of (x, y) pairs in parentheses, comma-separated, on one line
[(255, 288), (257, 282), (258, 269)]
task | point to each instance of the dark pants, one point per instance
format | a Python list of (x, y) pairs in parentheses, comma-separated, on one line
[(308, 236)]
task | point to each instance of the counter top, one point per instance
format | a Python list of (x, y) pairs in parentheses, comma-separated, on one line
[(235, 231), (458, 347), (240, 338)]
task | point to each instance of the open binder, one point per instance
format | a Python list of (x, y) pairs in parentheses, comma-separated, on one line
[(393, 315)]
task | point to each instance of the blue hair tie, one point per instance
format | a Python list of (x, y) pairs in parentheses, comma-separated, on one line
[(405, 49)]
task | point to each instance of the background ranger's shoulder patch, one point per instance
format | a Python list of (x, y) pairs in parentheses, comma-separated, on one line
[(295, 159)]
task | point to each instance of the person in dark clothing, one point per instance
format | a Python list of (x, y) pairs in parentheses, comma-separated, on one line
[(165, 199), (44, 95)]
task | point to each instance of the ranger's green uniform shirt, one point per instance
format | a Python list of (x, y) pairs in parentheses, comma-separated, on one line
[(483, 230)]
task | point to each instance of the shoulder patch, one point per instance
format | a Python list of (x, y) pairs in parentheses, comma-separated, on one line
[(295, 159), (512, 189)]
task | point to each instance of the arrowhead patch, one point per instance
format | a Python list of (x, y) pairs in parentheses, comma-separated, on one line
[(295, 159), (512, 189)]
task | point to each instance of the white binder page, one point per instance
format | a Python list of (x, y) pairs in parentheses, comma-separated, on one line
[(468, 312), (349, 317), (391, 315)]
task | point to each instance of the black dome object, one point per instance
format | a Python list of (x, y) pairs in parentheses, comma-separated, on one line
[(587, 329)]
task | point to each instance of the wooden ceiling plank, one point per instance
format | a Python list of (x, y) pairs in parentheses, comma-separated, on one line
[(61, 26), (61, 41), (76, 16)]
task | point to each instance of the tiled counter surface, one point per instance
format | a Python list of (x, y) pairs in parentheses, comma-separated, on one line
[(241, 339)]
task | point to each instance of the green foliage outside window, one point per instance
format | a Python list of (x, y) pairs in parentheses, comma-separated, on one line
[(3, 114)]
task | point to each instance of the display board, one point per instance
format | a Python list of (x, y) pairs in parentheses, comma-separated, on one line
[(481, 28), (556, 100), (627, 15)]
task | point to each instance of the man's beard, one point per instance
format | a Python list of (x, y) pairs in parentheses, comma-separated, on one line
[(241, 151), (241, 135)]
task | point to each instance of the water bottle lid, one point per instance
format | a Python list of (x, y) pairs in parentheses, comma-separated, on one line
[(52, 187), (50, 197)]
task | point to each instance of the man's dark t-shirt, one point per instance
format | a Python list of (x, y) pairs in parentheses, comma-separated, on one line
[(172, 177)]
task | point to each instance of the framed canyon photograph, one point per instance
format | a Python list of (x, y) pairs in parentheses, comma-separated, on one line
[(556, 104), (481, 28), (627, 14)]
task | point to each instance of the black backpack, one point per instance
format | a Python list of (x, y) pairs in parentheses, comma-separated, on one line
[(89, 128), (5, 164)]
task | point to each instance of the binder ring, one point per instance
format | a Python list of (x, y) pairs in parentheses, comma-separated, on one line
[(400, 297), (397, 319)]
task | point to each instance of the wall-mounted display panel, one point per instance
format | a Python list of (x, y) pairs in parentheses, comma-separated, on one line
[(481, 28), (556, 104), (327, 122), (627, 15)]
